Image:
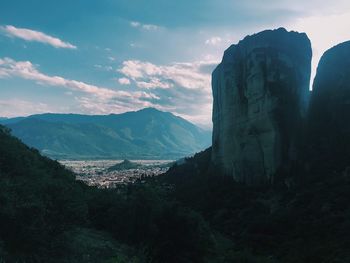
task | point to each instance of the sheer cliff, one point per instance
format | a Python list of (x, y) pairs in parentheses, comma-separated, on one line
[(260, 91), (328, 122)]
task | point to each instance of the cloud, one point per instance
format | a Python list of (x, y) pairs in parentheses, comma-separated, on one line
[(26, 70), (186, 75), (335, 29), (32, 35), (135, 45), (98, 97), (124, 81), (154, 82), (18, 107), (100, 67), (135, 24), (99, 105), (182, 88), (213, 41), (149, 27)]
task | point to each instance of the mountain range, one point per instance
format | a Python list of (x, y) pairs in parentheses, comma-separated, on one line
[(144, 134)]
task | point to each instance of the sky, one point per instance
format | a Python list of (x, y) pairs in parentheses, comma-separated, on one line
[(113, 56)]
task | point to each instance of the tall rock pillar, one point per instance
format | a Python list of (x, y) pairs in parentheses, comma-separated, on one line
[(260, 91), (329, 117)]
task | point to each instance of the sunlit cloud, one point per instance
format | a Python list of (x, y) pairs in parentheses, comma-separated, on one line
[(124, 81), (26, 70), (182, 88), (213, 41), (17, 107), (186, 75), (324, 32), (37, 36)]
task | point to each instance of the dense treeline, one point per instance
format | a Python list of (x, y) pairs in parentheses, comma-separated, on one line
[(187, 215), (47, 216), (301, 220)]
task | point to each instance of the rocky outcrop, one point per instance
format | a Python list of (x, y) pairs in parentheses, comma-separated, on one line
[(260, 91), (329, 116)]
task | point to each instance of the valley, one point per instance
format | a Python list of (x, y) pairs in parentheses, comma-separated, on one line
[(97, 172)]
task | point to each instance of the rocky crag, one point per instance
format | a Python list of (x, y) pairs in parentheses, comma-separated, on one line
[(328, 133), (261, 92)]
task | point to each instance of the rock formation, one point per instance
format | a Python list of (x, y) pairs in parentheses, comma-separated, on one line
[(260, 91), (329, 116)]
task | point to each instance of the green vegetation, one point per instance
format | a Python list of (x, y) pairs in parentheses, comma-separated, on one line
[(128, 165), (47, 216), (187, 215), (125, 165), (305, 220)]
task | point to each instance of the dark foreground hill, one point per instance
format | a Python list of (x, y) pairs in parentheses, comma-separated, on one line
[(305, 222), (145, 134), (187, 215), (47, 216)]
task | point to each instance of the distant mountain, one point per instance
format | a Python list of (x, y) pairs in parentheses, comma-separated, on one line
[(144, 134)]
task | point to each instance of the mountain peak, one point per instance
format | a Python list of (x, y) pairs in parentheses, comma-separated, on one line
[(149, 109)]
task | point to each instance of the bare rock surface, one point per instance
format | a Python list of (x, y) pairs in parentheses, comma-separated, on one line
[(261, 91)]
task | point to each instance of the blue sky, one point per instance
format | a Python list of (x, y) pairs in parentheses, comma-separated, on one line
[(112, 56)]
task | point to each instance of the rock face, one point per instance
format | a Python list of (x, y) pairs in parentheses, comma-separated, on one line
[(260, 91), (329, 116)]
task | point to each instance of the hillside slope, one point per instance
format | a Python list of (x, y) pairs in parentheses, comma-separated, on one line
[(47, 216), (143, 134)]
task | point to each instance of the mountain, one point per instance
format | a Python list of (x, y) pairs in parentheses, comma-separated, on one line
[(125, 165), (128, 165), (144, 134)]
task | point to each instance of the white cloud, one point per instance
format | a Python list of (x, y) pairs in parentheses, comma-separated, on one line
[(26, 70), (135, 45), (18, 107), (213, 41), (124, 81), (149, 27), (135, 24), (186, 75), (182, 88), (100, 67), (32, 35), (98, 96), (98, 105), (152, 83)]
